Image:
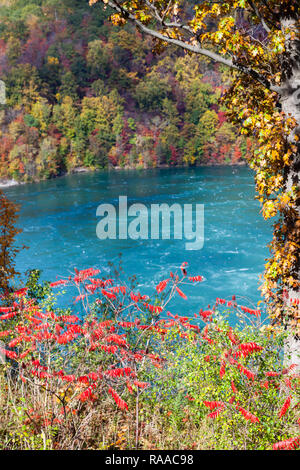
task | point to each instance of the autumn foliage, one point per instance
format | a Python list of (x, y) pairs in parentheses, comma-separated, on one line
[(82, 94), (116, 349), (8, 233)]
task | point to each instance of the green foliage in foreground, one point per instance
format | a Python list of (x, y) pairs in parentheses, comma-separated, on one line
[(192, 376)]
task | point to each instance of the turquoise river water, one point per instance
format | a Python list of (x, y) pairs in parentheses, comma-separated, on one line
[(58, 218)]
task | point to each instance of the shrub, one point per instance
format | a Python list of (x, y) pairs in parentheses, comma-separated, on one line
[(126, 373)]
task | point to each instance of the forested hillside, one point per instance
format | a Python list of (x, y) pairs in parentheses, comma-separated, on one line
[(83, 93)]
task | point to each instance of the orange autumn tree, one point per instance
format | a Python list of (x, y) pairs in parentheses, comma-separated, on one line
[(8, 232), (259, 41)]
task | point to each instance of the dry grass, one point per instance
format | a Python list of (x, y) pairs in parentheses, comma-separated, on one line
[(25, 413)]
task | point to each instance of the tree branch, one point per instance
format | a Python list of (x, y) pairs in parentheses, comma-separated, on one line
[(195, 48), (259, 16)]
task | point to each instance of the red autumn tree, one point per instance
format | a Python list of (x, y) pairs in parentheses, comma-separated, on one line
[(8, 251)]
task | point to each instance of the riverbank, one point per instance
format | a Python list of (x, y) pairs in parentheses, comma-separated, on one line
[(6, 183)]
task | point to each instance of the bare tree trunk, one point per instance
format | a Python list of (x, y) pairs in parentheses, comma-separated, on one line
[(290, 102), (292, 351)]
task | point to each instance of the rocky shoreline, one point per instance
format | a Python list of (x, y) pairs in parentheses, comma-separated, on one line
[(8, 183)]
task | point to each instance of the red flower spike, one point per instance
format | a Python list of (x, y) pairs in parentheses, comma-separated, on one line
[(121, 403), (285, 407), (289, 444), (162, 285), (181, 293), (214, 404), (247, 415)]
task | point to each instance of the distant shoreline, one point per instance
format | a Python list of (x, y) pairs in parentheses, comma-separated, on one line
[(7, 183)]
